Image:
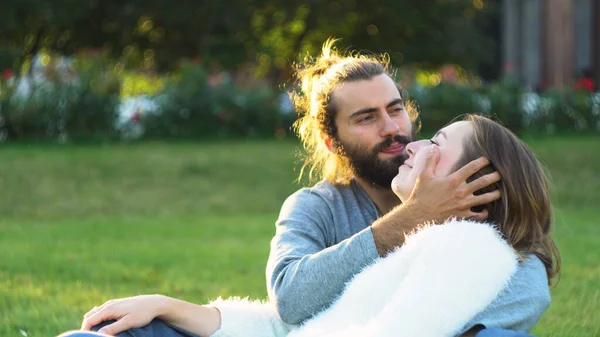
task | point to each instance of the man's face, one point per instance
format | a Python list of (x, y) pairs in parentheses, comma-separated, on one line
[(373, 128)]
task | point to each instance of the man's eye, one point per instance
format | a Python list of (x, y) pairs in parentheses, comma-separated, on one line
[(397, 110), (365, 119)]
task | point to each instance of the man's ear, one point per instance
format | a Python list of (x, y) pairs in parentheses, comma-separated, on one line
[(329, 143)]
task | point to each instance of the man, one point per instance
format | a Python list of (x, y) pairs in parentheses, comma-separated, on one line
[(355, 125)]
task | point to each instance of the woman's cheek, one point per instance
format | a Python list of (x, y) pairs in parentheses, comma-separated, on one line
[(444, 165), (419, 163)]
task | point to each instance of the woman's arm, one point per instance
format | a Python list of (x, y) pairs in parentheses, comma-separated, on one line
[(200, 320), (440, 279), (139, 311), (222, 318)]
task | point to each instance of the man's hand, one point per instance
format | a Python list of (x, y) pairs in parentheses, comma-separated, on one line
[(435, 199), (439, 198)]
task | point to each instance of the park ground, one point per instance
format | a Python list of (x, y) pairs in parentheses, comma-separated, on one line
[(80, 225)]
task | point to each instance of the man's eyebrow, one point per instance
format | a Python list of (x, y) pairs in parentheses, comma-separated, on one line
[(363, 111), (441, 132), (395, 102), (371, 110)]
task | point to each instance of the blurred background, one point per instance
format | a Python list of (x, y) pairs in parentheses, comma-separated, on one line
[(146, 145)]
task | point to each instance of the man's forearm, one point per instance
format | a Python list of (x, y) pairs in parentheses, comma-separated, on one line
[(389, 231)]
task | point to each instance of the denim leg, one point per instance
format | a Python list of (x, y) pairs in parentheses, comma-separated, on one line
[(495, 332), (156, 328), (81, 334)]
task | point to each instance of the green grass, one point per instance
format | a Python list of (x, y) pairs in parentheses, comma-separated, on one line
[(84, 224)]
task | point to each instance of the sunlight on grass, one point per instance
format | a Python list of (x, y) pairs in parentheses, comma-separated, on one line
[(84, 224)]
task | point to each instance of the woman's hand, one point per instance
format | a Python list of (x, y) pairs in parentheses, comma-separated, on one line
[(129, 313)]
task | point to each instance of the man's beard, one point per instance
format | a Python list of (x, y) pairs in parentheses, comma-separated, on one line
[(367, 165)]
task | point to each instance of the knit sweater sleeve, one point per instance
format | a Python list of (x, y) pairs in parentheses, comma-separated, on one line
[(242, 317)]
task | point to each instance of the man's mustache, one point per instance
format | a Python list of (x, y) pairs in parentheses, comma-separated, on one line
[(404, 140)]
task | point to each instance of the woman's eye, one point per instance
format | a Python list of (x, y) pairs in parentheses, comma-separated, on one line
[(434, 142)]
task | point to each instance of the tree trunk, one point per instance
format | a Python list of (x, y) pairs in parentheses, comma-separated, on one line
[(559, 42)]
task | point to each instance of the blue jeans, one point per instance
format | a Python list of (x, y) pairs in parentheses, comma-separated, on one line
[(158, 328), (495, 332)]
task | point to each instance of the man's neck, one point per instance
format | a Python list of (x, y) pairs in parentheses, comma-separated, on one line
[(384, 199)]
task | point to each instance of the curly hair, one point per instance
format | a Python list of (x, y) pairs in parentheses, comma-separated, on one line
[(318, 78)]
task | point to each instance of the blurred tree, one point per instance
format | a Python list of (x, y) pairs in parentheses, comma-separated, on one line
[(132, 30), (428, 32), (269, 33)]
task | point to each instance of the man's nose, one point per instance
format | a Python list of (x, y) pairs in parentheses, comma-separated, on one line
[(389, 127), (414, 147)]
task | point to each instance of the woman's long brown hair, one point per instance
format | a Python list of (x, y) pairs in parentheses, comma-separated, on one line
[(524, 212)]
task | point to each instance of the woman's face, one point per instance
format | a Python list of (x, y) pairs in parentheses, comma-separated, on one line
[(449, 140)]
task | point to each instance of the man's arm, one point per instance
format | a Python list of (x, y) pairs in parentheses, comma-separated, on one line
[(521, 305), (305, 271)]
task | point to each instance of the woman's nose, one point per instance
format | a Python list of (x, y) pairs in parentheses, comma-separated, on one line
[(414, 147)]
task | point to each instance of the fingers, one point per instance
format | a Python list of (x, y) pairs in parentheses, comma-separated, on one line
[(471, 168), (97, 318), (431, 162), (479, 216), (482, 199), (484, 181), (91, 312), (118, 326)]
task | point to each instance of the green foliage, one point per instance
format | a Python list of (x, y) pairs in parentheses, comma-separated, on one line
[(197, 105), (506, 104), (186, 107), (92, 104), (196, 102), (8, 58), (81, 108), (547, 112), (440, 104), (268, 33)]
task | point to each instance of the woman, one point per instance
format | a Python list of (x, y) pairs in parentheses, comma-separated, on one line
[(431, 286)]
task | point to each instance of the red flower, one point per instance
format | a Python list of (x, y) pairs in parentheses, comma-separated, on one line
[(584, 83), (7, 74)]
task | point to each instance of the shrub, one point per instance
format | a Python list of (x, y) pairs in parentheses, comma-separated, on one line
[(52, 108), (506, 104), (548, 112), (441, 104), (190, 107)]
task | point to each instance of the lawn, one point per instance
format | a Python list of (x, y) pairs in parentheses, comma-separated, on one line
[(84, 224)]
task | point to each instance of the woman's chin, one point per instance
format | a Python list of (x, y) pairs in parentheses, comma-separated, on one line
[(399, 192)]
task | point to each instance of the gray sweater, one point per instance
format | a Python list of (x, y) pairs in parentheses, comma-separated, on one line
[(323, 238)]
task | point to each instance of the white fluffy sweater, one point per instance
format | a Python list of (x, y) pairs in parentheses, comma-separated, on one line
[(431, 286)]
